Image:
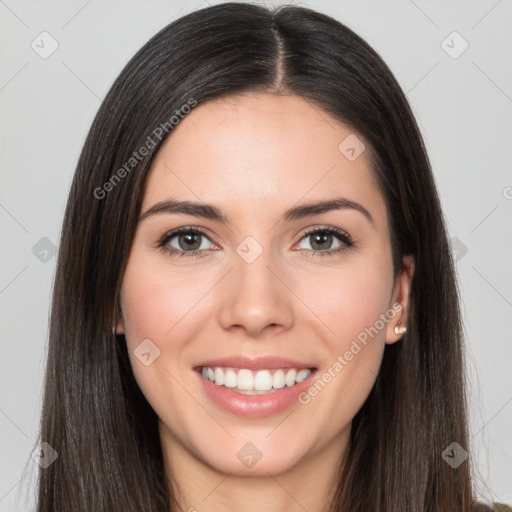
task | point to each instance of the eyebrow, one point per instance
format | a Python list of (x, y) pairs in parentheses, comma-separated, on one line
[(211, 212)]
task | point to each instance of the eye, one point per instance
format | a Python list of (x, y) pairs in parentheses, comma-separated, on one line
[(185, 241), (193, 242), (321, 241)]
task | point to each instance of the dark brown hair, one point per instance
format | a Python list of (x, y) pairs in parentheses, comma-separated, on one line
[(94, 413)]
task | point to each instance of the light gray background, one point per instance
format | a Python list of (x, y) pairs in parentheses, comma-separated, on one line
[(463, 106)]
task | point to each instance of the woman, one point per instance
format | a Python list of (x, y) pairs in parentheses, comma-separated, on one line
[(201, 356)]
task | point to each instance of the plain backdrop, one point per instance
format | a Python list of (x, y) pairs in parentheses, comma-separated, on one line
[(452, 59)]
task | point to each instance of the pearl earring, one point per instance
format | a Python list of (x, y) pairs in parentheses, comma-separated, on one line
[(400, 329)]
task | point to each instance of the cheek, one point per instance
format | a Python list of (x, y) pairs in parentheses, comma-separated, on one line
[(354, 307), (154, 301), (166, 305), (352, 301), (159, 306)]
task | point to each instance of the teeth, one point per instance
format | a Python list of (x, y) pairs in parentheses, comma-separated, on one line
[(219, 377), (245, 380), (278, 380), (262, 381), (303, 374), (230, 379), (255, 382), (290, 377)]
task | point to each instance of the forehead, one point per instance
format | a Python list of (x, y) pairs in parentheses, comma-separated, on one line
[(262, 153)]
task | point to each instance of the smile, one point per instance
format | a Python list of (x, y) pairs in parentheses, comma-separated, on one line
[(255, 382), (254, 387)]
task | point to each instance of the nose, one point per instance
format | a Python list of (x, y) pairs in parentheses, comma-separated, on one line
[(255, 297)]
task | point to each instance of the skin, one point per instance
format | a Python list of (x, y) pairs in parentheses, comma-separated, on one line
[(255, 156)]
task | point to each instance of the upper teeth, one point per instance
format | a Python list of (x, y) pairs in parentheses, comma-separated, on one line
[(258, 380)]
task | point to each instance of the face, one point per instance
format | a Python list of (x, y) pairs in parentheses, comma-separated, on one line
[(258, 289)]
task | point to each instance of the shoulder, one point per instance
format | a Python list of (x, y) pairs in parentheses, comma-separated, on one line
[(501, 507), (497, 507)]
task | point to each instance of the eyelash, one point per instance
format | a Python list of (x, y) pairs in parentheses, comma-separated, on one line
[(171, 251)]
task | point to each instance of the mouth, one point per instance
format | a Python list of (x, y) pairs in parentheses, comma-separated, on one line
[(247, 381), (254, 388)]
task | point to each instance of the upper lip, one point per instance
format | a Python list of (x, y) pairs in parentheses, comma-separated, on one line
[(254, 363)]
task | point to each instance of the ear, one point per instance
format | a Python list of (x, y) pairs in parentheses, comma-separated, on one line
[(400, 300)]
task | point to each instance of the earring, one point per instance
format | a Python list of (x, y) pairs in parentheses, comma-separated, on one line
[(114, 330), (400, 329)]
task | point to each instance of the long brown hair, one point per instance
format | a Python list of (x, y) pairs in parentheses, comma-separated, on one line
[(94, 414)]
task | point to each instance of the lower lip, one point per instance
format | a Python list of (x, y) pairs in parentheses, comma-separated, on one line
[(254, 406)]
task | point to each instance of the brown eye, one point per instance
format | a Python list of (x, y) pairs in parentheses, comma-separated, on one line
[(190, 241), (185, 242), (321, 241)]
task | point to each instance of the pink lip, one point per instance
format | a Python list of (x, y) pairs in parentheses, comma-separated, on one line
[(254, 406), (254, 363)]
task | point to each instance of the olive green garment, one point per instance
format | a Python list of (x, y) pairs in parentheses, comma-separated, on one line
[(500, 507)]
